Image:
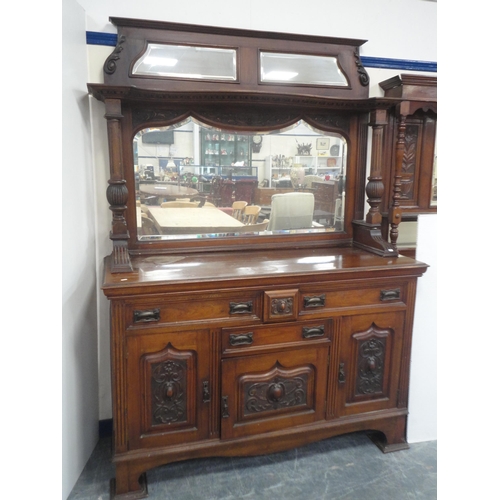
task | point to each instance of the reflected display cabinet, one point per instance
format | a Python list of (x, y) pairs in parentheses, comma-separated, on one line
[(229, 339), (219, 149)]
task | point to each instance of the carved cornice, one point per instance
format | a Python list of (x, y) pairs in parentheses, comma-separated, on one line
[(250, 99)]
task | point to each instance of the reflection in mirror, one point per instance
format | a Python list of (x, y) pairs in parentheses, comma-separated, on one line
[(434, 177), (300, 68), (184, 61), (197, 181)]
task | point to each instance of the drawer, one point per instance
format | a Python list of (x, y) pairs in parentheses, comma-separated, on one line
[(247, 340), (350, 297), (162, 309)]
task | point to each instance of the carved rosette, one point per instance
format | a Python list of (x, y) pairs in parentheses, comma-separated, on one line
[(372, 350), (282, 306), (370, 367), (279, 389), (168, 389), (278, 393)]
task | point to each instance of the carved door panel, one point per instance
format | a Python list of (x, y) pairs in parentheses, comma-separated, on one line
[(369, 362), (269, 392), (168, 388)]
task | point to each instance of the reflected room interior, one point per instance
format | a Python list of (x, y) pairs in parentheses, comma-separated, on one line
[(193, 181)]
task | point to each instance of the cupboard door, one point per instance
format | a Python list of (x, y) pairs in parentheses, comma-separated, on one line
[(168, 388), (369, 362), (269, 392)]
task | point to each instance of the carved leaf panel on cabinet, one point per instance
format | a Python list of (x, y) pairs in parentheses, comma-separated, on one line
[(369, 362), (269, 392), (169, 388)]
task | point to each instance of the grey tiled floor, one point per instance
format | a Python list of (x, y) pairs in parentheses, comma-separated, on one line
[(348, 467)]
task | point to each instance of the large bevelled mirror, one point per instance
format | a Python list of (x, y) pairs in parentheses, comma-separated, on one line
[(196, 181)]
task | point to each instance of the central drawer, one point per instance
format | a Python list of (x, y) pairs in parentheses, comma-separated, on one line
[(250, 339)]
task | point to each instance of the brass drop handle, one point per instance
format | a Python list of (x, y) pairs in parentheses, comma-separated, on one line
[(316, 301), (315, 331), (240, 307), (146, 316), (242, 339), (390, 294)]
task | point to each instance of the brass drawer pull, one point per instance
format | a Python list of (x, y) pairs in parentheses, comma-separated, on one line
[(240, 307), (206, 392), (390, 294), (315, 331), (316, 301), (242, 339), (146, 316), (224, 407), (341, 373)]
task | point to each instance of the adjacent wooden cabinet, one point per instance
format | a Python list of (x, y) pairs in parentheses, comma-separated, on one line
[(245, 344)]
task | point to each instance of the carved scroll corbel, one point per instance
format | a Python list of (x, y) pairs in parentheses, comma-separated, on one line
[(117, 193), (368, 234)]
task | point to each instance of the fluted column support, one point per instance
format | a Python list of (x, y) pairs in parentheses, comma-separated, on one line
[(117, 193)]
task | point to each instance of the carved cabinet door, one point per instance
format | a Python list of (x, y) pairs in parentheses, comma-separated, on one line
[(369, 362), (168, 388), (268, 392)]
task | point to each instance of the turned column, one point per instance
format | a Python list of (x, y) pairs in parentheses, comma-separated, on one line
[(375, 186), (117, 193), (395, 212), (367, 233)]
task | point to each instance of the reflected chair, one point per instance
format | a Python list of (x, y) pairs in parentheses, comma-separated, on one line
[(244, 189), (147, 225), (292, 211), (238, 207), (338, 215), (252, 228), (250, 214)]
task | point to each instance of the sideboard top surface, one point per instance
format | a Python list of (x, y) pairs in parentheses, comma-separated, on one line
[(168, 273)]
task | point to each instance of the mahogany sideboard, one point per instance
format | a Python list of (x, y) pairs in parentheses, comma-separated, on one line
[(215, 356), (236, 344)]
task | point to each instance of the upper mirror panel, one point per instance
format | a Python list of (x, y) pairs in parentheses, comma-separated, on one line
[(196, 181), (184, 61), (300, 69)]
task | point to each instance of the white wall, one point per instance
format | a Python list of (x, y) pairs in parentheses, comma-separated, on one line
[(79, 285), (388, 37)]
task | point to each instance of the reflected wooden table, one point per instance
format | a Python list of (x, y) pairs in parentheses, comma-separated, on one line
[(167, 190), (187, 220)]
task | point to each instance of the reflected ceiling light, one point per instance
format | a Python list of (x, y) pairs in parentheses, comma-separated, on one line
[(316, 260), (161, 61), (280, 75)]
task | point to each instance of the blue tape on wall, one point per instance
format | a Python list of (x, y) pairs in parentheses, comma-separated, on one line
[(109, 39)]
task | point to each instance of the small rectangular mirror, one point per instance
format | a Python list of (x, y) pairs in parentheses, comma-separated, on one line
[(186, 61), (300, 68)]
